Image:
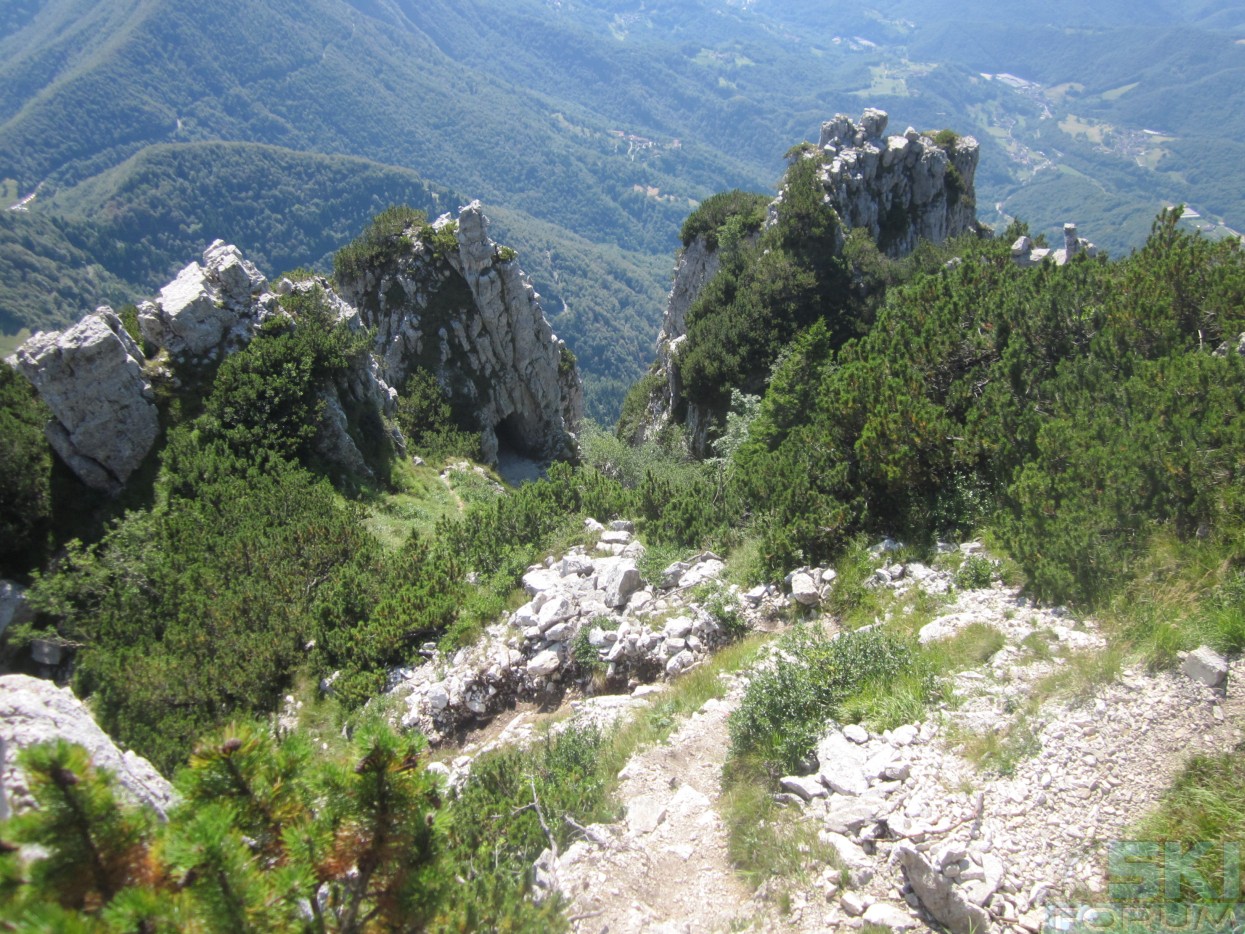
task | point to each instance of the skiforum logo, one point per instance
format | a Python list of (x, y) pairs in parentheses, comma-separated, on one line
[(1163, 887)]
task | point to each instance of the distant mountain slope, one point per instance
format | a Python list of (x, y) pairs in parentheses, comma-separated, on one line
[(324, 76), (281, 207), (599, 122), (50, 273)]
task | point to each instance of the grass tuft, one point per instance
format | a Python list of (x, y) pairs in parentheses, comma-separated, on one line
[(999, 751)]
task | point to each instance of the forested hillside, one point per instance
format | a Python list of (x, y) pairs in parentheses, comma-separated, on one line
[(594, 127)]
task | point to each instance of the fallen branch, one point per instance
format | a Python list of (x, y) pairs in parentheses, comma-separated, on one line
[(594, 836), (540, 816)]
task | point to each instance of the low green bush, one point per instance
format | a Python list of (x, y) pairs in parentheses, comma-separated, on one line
[(584, 654), (263, 828), (383, 239), (723, 605), (787, 707), (974, 573)]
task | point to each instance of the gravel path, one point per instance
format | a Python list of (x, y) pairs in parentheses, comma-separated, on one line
[(1026, 843), (664, 868)]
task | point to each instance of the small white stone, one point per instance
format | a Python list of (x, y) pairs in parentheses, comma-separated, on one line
[(856, 733)]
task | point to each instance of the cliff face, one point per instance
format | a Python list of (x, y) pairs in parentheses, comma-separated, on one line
[(470, 316), (902, 189), (696, 265)]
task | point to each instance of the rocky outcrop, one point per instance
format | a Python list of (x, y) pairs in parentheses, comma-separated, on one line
[(589, 615), (92, 378), (208, 309), (901, 189), (1026, 253), (696, 265), (36, 711), (471, 316)]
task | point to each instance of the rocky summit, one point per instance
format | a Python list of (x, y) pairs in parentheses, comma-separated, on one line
[(900, 189), (473, 317)]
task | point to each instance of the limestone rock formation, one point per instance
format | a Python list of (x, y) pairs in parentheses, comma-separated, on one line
[(92, 378), (902, 189), (36, 711), (1026, 253), (473, 318), (207, 306), (588, 613), (696, 265)]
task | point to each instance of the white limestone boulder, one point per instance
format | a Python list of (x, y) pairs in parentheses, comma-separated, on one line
[(35, 711), (103, 407)]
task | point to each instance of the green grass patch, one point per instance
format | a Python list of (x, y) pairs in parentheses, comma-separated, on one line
[(852, 601), (1205, 805), (886, 704), (999, 751), (1041, 645), (474, 486), (655, 560), (417, 501), (723, 605), (971, 647), (1181, 595), (974, 573), (765, 840), (745, 563), (1080, 676)]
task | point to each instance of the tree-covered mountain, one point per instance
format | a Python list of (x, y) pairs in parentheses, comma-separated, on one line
[(599, 122)]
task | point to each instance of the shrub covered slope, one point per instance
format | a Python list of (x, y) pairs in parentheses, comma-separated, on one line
[(1079, 413)]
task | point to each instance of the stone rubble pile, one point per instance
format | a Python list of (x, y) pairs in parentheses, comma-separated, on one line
[(1026, 253), (927, 837), (589, 614)]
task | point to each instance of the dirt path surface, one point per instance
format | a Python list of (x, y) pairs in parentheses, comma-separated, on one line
[(664, 867), (1010, 846)]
